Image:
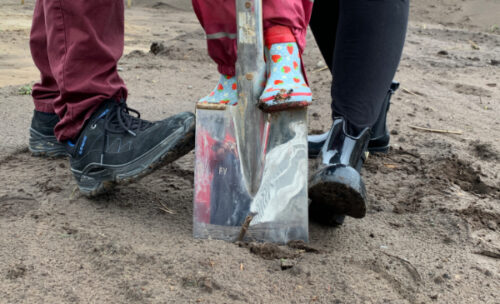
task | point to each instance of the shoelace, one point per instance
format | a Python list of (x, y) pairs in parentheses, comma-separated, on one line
[(119, 120)]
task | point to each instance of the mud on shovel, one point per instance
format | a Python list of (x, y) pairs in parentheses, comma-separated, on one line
[(251, 167)]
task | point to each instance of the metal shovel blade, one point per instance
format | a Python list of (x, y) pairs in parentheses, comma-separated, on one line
[(250, 165)]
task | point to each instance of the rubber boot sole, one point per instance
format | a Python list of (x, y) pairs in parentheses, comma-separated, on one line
[(331, 199)]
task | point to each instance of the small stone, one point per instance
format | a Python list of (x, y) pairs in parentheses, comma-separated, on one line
[(156, 48), (286, 264), (446, 276), (494, 62), (443, 53), (434, 297), (438, 280), (320, 64), (394, 132)]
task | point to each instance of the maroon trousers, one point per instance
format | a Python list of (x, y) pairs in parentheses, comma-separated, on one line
[(76, 46)]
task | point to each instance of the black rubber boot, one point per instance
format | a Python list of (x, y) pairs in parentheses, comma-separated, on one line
[(42, 141), (379, 140), (336, 187), (116, 147)]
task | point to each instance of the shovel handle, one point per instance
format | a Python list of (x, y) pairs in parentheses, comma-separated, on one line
[(250, 72)]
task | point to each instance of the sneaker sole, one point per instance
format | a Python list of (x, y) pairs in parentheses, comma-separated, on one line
[(45, 146), (95, 182)]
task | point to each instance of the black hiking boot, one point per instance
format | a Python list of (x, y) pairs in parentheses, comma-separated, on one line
[(336, 187), (42, 141), (379, 140), (115, 147)]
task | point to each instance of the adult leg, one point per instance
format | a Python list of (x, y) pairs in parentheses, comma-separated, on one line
[(84, 43), (84, 40), (42, 141), (366, 52), (368, 48), (361, 42), (324, 23)]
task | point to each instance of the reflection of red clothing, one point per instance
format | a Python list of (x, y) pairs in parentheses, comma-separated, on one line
[(205, 166), (218, 18)]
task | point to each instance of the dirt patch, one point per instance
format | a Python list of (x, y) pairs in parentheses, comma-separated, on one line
[(484, 151), (181, 5), (481, 217), (206, 284), (301, 245), (269, 251), (16, 206), (18, 271), (471, 90), (461, 173)]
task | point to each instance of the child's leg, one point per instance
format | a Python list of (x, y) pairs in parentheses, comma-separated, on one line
[(286, 86), (218, 18)]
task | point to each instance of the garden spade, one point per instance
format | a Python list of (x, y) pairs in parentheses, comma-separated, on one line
[(251, 166)]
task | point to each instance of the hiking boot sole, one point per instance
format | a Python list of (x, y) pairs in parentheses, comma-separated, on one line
[(45, 145), (96, 179)]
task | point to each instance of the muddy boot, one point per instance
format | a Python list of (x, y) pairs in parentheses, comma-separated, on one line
[(336, 187), (115, 147), (379, 140), (42, 141)]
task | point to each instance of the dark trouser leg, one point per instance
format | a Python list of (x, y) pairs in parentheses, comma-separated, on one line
[(363, 47), (361, 41), (84, 41)]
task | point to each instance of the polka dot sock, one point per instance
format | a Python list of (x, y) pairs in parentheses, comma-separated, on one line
[(224, 93)]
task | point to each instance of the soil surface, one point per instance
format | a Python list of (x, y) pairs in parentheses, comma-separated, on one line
[(431, 233)]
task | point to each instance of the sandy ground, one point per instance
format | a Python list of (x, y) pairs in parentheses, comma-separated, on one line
[(431, 234)]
